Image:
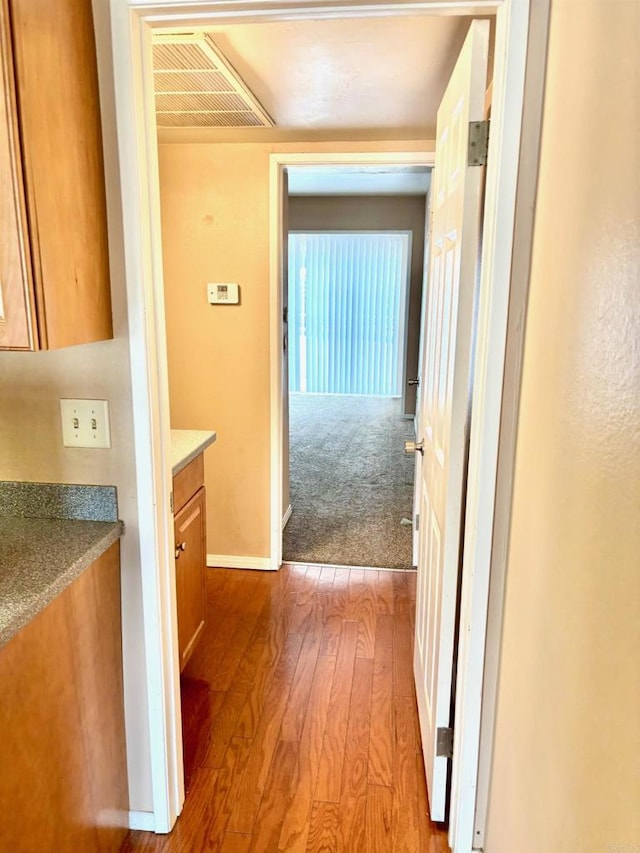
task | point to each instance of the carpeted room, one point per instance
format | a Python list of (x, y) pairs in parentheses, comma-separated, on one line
[(355, 271), (351, 484)]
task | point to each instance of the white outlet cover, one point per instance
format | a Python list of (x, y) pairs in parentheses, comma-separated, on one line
[(85, 423)]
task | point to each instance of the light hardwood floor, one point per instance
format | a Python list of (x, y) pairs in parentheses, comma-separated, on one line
[(300, 720)]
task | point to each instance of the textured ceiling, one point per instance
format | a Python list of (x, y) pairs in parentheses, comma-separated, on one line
[(361, 74)]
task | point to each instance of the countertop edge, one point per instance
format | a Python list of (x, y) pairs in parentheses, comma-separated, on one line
[(194, 451), (34, 605)]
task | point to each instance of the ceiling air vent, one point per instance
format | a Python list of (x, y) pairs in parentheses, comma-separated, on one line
[(195, 86)]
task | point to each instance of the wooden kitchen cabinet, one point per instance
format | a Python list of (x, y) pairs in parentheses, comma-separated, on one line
[(190, 545), (63, 768), (54, 267)]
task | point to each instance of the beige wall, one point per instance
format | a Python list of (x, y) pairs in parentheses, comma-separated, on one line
[(566, 773), (31, 385), (376, 213), (215, 227)]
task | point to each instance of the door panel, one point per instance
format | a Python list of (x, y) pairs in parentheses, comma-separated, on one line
[(444, 401), (16, 315), (422, 378), (190, 578)]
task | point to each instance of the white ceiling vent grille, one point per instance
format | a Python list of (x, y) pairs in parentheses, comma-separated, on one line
[(196, 87)]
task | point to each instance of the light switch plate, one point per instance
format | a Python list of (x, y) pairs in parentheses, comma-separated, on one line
[(223, 293), (85, 423)]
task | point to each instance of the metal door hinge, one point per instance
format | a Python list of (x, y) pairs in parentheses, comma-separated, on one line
[(171, 500), (478, 143), (444, 743), (416, 524)]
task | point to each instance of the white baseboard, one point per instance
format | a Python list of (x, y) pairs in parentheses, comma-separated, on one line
[(142, 820), (286, 516), (230, 561)]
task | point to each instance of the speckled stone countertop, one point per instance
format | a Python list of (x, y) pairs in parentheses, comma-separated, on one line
[(49, 534), (186, 444), (58, 500), (39, 558)]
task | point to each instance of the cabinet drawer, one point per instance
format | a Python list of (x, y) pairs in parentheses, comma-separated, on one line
[(187, 482)]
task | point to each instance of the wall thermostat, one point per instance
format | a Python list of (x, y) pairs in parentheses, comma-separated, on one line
[(223, 294)]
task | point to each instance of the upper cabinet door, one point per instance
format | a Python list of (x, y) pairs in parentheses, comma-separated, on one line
[(58, 114), (17, 326)]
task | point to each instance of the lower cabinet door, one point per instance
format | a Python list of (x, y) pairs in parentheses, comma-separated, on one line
[(190, 569)]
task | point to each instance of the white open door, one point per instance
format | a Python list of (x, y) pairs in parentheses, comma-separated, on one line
[(417, 421), (445, 401)]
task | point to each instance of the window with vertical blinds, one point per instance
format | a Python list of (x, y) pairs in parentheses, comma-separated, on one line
[(347, 298)]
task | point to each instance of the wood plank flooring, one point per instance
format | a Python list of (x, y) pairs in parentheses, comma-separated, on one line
[(299, 718)]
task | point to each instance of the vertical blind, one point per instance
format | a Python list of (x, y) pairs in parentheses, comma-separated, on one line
[(347, 295)]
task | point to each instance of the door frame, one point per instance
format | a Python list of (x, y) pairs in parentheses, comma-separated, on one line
[(510, 199), (278, 163)]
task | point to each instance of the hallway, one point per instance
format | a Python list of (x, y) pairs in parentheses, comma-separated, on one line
[(299, 718)]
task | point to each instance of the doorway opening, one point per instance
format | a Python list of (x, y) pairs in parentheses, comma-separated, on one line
[(352, 287), (148, 358)]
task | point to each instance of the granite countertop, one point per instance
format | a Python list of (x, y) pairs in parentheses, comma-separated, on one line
[(49, 534), (39, 558), (186, 444)]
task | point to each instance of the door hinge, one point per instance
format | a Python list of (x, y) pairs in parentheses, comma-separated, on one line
[(478, 143), (416, 524), (444, 743), (171, 500)]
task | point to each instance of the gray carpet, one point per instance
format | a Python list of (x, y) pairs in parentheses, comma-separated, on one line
[(351, 483)]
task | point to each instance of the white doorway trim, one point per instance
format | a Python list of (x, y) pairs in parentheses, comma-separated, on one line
[(132, 23), (277, 164)]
